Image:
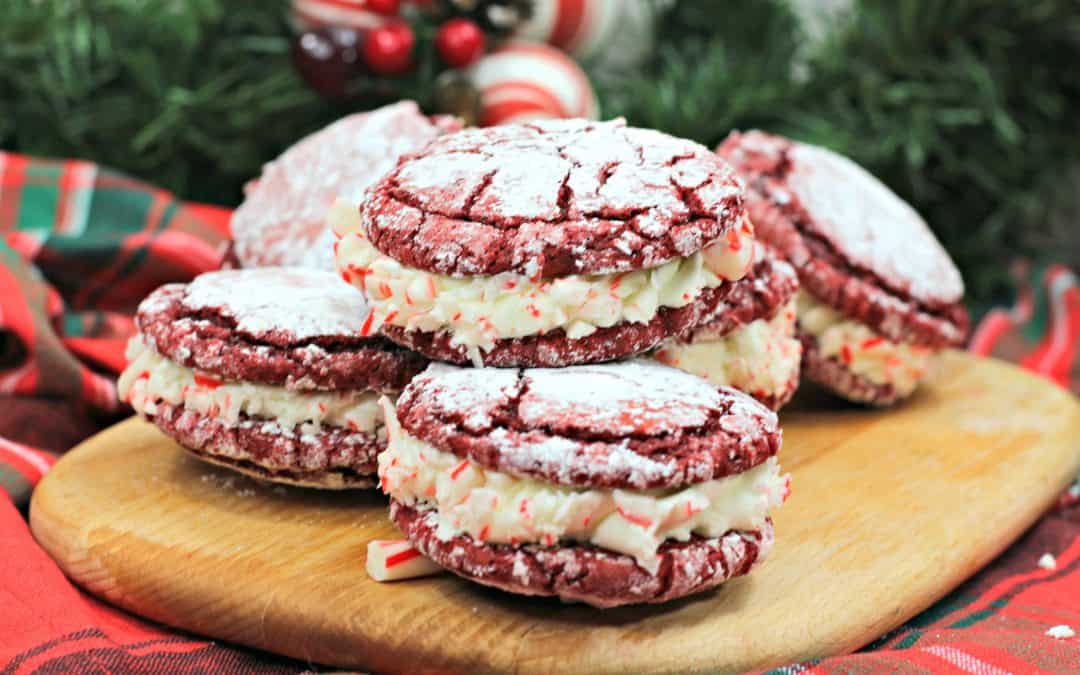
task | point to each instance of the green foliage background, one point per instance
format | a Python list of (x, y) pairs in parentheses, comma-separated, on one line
[(967, 108)]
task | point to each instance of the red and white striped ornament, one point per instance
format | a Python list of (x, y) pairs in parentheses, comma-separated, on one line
[(615, 34), (356, 14), (523, 81)]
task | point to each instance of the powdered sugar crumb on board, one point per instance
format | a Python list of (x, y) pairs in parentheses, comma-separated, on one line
[(1061, 632)]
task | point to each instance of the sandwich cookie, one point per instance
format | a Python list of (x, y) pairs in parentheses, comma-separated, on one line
[(749, 340), (607, 484), (283, 218), (880, 296), (263, 371), (548, 244)]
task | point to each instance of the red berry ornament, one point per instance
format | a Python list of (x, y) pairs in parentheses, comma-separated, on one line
[(460, 42), (327, 59), (384, 7), (388, 49)]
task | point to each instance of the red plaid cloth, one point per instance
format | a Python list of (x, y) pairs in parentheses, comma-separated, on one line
[(81, 246)]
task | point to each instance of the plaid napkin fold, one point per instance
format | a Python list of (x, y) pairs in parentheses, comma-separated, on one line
[(82, 245)]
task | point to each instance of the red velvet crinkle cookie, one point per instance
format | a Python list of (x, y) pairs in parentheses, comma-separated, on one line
[(610, 484), (548, 244), (880, 296), (749, 340), (262, 370), (282, 220)]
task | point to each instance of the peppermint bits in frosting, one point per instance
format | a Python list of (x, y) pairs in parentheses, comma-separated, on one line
[(546, 244)]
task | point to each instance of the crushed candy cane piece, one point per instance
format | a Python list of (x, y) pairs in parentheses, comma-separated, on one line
[(1047, 562), (1061, 632), (207, 381), (396, 559)]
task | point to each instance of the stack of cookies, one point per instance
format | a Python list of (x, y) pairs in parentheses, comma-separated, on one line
[(610, 339), (544, 454), (265, 371)]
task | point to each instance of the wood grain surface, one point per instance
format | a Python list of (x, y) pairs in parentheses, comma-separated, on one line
[(890, 511)]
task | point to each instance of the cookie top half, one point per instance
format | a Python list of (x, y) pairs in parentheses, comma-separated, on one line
[(282, 220), (857, 246), (635, 424), (293, 327), (552, 199)]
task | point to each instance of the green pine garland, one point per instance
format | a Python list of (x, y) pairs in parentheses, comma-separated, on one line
[(967, 108)]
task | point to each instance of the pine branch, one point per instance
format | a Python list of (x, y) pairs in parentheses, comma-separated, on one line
[(967, 108), (194, 95), (714, 71)]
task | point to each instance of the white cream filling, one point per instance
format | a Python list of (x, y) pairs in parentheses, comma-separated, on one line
[(151, 378), (480, 310), (759, 358), (863, 351), (495, 507)]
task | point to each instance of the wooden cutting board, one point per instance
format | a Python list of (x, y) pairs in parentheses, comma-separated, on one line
[(890, 511)]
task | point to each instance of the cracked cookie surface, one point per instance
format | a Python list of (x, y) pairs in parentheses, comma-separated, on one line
[(608, 484), (552, 199), (299, 329), (634, 425)]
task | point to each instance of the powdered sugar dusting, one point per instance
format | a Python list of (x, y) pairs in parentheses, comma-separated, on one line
[(557, 456), (158, 301), (635, 424), (635, 397), (283, 217), (304, 303), (443, 183), (479, 391), (574, 185), (745, 416), (527, 189), (320, 255), (871, 226)]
